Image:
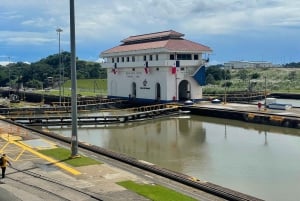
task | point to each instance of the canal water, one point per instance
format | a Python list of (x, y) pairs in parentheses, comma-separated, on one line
[(258, 160)]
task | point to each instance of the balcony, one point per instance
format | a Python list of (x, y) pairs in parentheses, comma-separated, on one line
[(159, 63)]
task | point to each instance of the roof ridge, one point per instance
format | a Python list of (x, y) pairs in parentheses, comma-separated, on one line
[(154, 35)]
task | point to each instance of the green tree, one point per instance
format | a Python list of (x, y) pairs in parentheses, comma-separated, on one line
[(227, 84), (4, 76), (215, 71), (255, 76), (39, 71), (292, 75), (34, 84), (243, 74), (226, 74), (210, 79)]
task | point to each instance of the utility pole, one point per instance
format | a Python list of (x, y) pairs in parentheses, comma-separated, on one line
[(74, 138), (59, 30), (9, 80), (265, 92), (225, 84)]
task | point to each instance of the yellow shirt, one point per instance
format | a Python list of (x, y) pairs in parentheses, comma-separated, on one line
[(4, 161)]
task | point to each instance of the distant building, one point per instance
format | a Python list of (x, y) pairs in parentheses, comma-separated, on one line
[(159, 66), (248, 64)]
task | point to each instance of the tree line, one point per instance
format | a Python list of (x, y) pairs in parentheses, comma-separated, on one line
[(48, 72)]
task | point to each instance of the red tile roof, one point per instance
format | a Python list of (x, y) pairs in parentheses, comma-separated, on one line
[(169, 40), (171, 45)]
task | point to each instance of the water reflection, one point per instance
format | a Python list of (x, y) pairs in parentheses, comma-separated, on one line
[(251, 158), (160, 142)]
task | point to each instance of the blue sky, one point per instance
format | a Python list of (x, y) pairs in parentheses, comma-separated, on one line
[(252, 30)]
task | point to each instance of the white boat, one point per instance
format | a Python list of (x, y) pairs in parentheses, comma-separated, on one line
[(216, 100), (280, 106), (189, 102)]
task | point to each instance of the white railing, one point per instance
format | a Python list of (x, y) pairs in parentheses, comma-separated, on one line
[(162, 63)]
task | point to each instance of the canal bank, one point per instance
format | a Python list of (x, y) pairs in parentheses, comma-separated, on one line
[(248, 113), (256, 159), (182, 179)]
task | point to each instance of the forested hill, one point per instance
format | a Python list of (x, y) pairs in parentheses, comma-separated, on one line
[(35, 75), (292, 65)]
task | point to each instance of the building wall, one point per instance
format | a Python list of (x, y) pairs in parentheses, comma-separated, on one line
[(248, 64), (172, 86), (120, 84)]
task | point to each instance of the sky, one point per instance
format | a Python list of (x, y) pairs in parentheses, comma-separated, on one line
[(236, 30)]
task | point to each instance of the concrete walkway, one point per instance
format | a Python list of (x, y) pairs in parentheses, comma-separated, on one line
[(21, 147)]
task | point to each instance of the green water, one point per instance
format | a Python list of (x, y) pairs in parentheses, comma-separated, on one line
[(259, 160)]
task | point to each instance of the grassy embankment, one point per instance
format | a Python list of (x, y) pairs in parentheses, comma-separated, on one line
[(85, 87), (284, 80), (153, 192)]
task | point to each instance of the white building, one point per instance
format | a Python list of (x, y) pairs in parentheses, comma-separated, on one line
[(248, 64), (158, 66)]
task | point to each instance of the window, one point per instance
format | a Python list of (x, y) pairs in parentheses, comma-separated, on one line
[(184, 57), (118, 60), (150, 58), (145, 58), (113, 60), (133, 59), (127, 59), (156, 57), (196, 57), (122, 59), (157, 69), (172, 57), (133, 69)]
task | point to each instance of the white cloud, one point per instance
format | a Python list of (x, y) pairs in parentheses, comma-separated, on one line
[(108, 22), (24, 38), (98, 19)]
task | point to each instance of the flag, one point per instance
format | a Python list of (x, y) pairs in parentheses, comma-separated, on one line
[(146, 67), (174, 69), (114, 70)]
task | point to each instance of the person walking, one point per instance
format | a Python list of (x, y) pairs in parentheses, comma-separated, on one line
[(4, 162)]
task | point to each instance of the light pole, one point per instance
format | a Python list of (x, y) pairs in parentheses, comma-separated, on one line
[(59, 30), (63, 78), (265, 92), (9, 81), (225, 84), (74, 138)]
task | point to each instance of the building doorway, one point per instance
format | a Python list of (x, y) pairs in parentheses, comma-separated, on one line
[(133, 90), (184, 89), (157, 92)]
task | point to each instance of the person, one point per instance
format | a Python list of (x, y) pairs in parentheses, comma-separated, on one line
[(5, 161), (259, 105)]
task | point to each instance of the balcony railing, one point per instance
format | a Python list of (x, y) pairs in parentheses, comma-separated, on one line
[(162, 63)]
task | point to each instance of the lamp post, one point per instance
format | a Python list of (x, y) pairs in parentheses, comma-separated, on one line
[(225, 84), (265, 92), (59, 30), (74, 138), (9, 80)]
